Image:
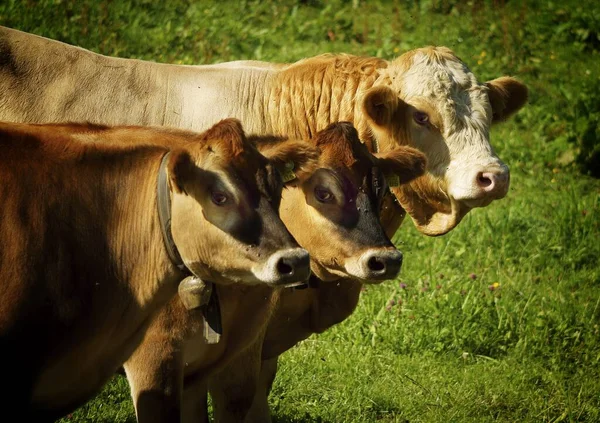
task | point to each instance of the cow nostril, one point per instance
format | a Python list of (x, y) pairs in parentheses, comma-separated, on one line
[(376, 264), (484, 180), (284, 268)]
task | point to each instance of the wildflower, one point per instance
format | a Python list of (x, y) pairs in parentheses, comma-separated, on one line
[(473, 276), (438, 286), (424, 289), (402, 285), (494, 286)]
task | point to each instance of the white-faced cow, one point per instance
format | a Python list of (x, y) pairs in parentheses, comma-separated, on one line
[(426, 98), (84, 261)]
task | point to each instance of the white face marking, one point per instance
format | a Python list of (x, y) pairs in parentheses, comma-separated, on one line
[(463, 152)]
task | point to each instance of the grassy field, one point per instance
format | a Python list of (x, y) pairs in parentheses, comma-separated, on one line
[(498, 320)]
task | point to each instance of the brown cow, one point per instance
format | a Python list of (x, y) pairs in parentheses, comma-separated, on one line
[(334, 213), (83, 262)]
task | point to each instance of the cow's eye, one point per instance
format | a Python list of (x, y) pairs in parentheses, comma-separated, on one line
[(323, 195), (219, 198), (421, 118)]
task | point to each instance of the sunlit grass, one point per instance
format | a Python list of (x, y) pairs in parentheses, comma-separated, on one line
[(497, 320)]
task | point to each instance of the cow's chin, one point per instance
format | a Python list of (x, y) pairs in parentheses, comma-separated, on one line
[(440, 223)]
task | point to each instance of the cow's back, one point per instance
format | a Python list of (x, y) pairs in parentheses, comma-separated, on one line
[(43, 80)]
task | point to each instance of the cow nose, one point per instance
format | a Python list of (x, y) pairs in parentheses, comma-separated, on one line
[(380, 265), (494, 184), (290, 266)]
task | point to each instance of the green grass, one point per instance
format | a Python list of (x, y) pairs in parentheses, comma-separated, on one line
[(443, 346)]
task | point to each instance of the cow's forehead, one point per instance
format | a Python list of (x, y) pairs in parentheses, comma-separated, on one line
[(341, 149), (437, 75)]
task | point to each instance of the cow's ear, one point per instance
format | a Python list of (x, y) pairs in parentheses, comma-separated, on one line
[(379, 104), (507, 96), (291, 157), (228, 130), (181, 170), (406, 163)]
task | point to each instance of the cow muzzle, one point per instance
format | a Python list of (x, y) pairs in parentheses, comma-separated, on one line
[(494, 184), (375, 265), (285, 268), (482, 186)]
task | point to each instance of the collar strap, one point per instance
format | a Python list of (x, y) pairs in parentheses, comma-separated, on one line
[(374, 144), (164, 214)]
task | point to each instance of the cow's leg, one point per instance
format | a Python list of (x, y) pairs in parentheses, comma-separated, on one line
[(194, 408), (260, 406), (232, 388), (155, 375)]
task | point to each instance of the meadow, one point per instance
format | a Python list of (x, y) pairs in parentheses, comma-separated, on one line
[(497, 321)]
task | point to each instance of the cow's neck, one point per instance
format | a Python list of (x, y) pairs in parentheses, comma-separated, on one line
[(294, 100), (134, 237), (302, 99)]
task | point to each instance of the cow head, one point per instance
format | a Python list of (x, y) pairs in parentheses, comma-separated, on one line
[(429, 99), (225, 197), (333, 211)]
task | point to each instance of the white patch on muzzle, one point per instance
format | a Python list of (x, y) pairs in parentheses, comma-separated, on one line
[(285, 267)]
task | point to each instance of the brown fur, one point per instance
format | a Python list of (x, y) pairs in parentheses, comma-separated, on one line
[(87, 283), (175, 337), (65, 285), (298, 313)]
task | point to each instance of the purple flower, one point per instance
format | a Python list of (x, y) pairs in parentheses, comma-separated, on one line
[(473, 276), (402, 285)]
